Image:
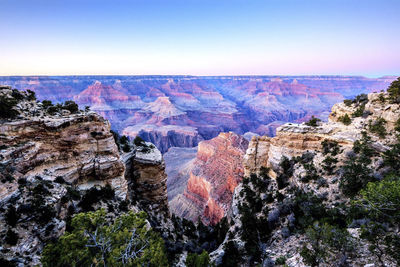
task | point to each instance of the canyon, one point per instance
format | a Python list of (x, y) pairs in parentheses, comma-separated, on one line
[(201, 188), (181, 111), (57, 161)]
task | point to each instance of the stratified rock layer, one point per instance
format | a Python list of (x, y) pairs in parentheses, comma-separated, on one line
[(184, 110), (147, 181), (213, 176), (78, 147), (54, 166)]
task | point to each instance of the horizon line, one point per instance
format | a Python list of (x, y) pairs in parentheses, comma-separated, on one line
[(190, 75)]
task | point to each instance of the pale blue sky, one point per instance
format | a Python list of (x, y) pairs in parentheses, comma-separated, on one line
[(219, 37)]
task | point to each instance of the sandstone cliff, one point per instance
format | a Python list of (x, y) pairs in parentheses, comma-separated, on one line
[(56, 161), (182, 111), (212, 178), (295, 177), (146, 177)]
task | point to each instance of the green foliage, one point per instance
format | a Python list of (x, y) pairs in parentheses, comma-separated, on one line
[(348, 102), (31, 96), (11, 237), (363, 148), (356, 176), (359, 111), (325, 241), (138, 141), (397, 126), (287, 171), (52, 109), (231, 256), (330, 147), (281, 260), (329, 164), (96, 242), (122, 142), (382, 98), (7, 107), (381, 203), (394, 91), (391, 158), (345, 119), (311, 172), (196, 260), (382, 200), (12, 216), (71, 106), (381, 242), (256, 228), (46, 104), (378, 127), (94, 195), (17, 95), (356, 172), (39, 210), (361, 99), (313, 121), (125, 144)]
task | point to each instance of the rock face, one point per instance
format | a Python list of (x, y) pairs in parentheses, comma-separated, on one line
[(184, 110), (307, 173), (78, 147), (147, 180), (56, 164), (294, 139), (211, 179), (179, 162)]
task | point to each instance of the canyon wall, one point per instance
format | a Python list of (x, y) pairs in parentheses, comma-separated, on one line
[(314, 171), (184, 110), (54, 164), (211, 179)]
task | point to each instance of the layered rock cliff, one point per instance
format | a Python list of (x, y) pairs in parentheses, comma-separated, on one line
[(57, 161), (309, 174), (181, 110), (212, 178), (146, 177)]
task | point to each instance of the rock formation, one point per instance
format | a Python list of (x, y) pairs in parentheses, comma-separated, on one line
[(211, 179), (147, 181), (56, 161), (306, 173), (182, 111)]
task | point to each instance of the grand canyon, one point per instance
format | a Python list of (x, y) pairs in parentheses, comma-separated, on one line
[(181, 111)]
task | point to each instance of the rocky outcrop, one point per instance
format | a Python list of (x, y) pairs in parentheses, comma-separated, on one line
[(78, 147), (213, 176), (147, 180), (48, 161), (313, 171), (58, 161)]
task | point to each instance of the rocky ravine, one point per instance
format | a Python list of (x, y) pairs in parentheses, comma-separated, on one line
[(304, 172), (211, 179), (53, 166)]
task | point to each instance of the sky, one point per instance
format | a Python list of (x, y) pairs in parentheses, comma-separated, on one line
[(200, 37)]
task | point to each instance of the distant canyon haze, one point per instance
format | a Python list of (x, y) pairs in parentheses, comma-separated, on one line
[(181, 111)]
